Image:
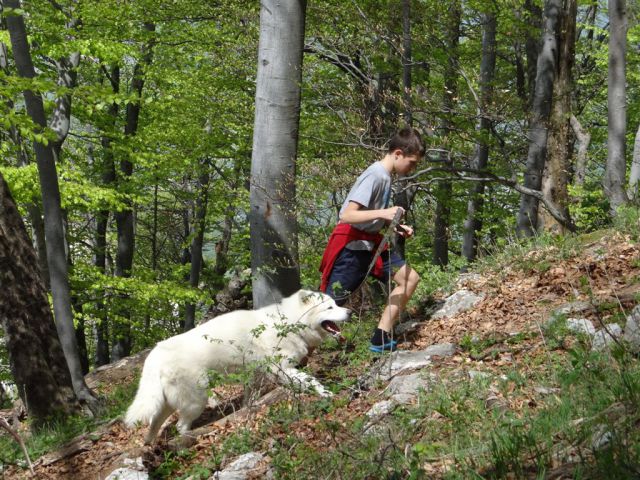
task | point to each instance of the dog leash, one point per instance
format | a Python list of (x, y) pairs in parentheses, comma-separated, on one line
[(381, 246)]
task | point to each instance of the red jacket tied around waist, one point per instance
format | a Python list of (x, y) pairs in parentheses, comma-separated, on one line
[(342, 234)]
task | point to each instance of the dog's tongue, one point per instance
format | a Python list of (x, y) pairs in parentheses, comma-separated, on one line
[(333, 330)]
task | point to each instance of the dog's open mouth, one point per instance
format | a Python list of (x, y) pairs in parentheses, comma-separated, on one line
[(333, 330)]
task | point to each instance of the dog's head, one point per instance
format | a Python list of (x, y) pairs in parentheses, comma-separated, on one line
[(321, 313)]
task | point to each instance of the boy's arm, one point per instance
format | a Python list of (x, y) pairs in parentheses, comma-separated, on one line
[(354, 214)]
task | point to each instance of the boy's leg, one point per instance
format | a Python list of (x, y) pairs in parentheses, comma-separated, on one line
[(406, 280), (347, 274)]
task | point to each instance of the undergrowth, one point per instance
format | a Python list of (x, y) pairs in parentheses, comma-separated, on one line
[(55, 434)]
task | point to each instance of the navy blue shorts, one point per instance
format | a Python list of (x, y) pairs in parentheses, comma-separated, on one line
[(350, 268)]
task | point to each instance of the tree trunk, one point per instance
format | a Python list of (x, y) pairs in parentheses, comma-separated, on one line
[(222, 246), (406, 61), (404, 196), (273, 225), (473, 223), (584, 138), (199, 224), (537, 154), (108, 178), (55, 241), (634, 176), (125, 222), (444, 190), (532, 46), (614, 177), (555, 179), (37, 361), (34, 211)]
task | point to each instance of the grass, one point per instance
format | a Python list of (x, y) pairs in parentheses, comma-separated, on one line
[(55, 434)]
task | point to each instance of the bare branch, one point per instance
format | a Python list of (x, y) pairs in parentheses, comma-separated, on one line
[(458, 174), (4, 424)]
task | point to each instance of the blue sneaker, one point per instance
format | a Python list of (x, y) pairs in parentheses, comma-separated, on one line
[(390, 346)]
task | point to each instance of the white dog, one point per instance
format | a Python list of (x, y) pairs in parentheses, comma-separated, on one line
[(175, 374)]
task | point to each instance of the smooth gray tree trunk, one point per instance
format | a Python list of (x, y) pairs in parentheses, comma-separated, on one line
[(108, 178), (527, 221), (125, 221), (199, 224), (273, 223), (615, 172), (54, 233), (583, 138), (634, 176), (473, 222)]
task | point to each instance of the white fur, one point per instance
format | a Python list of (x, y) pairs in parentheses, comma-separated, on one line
[(174, 376)]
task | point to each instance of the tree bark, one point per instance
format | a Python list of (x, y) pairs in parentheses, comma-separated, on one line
[(614, 177), (634, 176), (405, 194), (273, 223), (406, 61), (532, 47), (34, 211), (38, 364), (108, 178), (556, 173), (473, 223), (199, 224), (538, 132), (55, 239), (444, 189), (125, 222), (584, 138)]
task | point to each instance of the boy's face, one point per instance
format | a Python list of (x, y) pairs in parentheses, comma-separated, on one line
[(405, 164)]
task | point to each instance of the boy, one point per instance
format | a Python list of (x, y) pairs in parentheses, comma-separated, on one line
[(355, 238)]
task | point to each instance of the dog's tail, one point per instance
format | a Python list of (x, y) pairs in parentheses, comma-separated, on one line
[(150, 397)]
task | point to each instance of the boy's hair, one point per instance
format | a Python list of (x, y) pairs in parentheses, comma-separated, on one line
[(409, 141)]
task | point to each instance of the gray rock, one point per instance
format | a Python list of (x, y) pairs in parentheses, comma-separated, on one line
[(494, 402), (133, 470), (468, 277), (240, 468), (601, 438), (603, 338), (380, 409), (404, 388), (581, 325), (546, 390), (403, 360), (632, 329), (476, 375), (572, 307), (460, 301)]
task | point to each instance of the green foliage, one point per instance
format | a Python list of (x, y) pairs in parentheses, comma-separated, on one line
[(627, 221), (589, 208), (23, 183)]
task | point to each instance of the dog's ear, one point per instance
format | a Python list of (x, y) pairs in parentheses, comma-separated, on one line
[(305, 297)]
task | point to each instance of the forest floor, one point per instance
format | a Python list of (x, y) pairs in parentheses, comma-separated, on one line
[(520, 296)]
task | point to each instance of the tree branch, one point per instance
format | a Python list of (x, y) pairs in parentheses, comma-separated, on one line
[(484, 176)]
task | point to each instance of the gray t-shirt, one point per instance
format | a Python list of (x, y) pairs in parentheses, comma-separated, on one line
[(372, 191)]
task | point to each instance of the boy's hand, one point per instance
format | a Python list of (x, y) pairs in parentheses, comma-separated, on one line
[(390, 213), (404, 231)]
